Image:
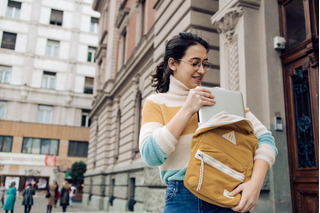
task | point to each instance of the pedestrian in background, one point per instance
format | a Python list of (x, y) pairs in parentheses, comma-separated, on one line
[(27, 201), (52, 188), (57, 195), (73, 191), (11, 198), (2, 193), (64, 196)]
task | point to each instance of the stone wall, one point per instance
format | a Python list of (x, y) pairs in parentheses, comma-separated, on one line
[(110, 190)]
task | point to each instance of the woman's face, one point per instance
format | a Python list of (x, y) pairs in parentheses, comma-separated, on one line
[(185, 71)]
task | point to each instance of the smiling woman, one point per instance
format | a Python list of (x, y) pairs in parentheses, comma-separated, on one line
[(169, 121)]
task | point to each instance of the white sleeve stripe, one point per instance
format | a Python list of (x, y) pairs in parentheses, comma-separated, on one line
[(146, 130), (259, 128), (165, 140), (265, 152)]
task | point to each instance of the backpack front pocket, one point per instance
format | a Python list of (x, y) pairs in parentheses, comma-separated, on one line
[(217, 165), (213, 179)]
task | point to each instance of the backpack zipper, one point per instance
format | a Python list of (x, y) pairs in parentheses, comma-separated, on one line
[(216, 164)]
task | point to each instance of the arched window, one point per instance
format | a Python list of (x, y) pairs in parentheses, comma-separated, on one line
[(137, 124), (117, 136), (95, 140)]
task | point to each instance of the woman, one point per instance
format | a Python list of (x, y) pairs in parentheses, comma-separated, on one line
[(11, 198), (72, 194), (51, 199), (27, 195), (57, 195), (169, 120), (64, 196)]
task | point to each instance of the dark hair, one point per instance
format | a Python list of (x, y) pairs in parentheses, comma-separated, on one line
[(12, 184), (176, 48)]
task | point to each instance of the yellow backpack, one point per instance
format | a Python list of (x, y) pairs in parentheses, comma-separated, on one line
[(222, 152)]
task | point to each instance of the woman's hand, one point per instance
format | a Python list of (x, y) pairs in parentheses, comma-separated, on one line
[(250, 195), (197, 98), (251, 189)]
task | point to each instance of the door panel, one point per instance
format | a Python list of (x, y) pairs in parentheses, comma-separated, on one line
[(306, 196)]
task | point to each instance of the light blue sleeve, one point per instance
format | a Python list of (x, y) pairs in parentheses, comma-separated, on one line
[(152, 154), (267, 138)]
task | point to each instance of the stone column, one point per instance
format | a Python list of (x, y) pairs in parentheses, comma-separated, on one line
[(226, 26), (238, 22)]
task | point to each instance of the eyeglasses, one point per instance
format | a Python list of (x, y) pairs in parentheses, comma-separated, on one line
[(196, 64)]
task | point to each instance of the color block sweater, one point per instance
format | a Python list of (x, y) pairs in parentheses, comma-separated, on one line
[(158, 147)]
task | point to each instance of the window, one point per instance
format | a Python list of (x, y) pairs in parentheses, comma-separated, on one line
[(56, 17), (141, 21), (85, 121), (2, 109), (78, 148), (88, 85), (5, 74), (13, 9), (40, 146), (5, 143), (53, 48), (48, 80), (112, 190), (137, 123), (91, 54), (117, 136), (132, 188), (295, 23), (94, 27), (8, 40), (122, 50), (42, 183), (44, 114)]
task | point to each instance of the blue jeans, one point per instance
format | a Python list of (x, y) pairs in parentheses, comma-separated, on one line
[(71, 198), (180, 200)]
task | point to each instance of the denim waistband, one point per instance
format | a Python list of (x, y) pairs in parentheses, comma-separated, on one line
[(175, 183)]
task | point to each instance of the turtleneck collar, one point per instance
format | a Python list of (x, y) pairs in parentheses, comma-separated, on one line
[(177, 87)]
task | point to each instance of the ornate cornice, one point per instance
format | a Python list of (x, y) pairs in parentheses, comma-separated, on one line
[(121, 16), (228, 22), (227, 17)]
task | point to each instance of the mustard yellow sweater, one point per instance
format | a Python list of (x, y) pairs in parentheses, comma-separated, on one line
[(158, 147)]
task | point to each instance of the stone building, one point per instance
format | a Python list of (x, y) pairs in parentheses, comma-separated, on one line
[(278, 79), (46, 81)]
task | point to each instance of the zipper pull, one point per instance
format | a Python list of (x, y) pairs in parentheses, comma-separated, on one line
[(201, 172)]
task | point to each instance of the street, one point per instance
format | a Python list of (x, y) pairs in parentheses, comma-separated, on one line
[(40, 206)]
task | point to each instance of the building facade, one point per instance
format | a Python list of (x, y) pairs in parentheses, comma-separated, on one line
[(47, 71), (255, 48)]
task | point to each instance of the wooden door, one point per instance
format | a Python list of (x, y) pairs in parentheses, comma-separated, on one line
[(302, 132), (299, 26)]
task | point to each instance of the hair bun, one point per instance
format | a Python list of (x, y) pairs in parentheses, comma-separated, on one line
[(186, 35)]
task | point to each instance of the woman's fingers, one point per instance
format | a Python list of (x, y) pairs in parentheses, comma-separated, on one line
[(205, 95), (197, 98)]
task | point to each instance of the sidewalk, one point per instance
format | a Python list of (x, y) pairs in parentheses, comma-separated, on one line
[(40, 206)]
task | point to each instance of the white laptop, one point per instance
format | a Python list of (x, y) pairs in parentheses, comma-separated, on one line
[(226, 100)]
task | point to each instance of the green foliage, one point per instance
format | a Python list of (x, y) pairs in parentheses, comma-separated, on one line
[(77, 170)]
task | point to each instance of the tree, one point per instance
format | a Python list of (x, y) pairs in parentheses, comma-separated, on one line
[(77, 170)]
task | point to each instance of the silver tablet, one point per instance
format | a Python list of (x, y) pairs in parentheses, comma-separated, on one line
[(226, 101)]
